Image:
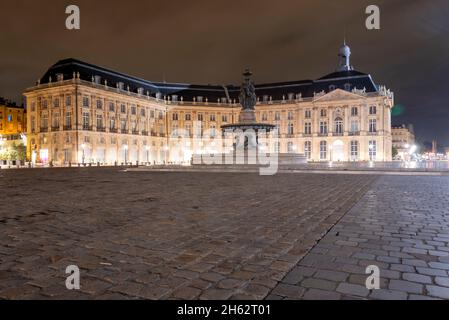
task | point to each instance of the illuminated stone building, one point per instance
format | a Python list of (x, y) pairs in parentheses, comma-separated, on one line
[(78, 112), (12, 128)]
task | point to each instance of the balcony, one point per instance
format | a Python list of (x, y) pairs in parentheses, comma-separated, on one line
[(145, 133), (322, 134), (136, 132), (153, 134), (354, 133), (87, 128), (43, 129), (124, 131), (113, 130), (67, 127), (56, 128), (101, 129), (336, 134)]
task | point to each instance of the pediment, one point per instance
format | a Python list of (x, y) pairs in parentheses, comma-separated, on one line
[(339, 94)]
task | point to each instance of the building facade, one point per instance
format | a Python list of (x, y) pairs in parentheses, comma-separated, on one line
[(403, 138), (78, 112), (12, 131)]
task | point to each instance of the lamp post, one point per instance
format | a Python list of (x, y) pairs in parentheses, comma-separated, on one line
[(83, 146)]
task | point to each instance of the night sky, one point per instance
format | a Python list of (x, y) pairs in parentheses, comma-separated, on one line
[(213, 41)]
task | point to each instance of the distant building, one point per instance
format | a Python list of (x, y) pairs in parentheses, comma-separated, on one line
[(403, 139), (12, 130), (79, 112)]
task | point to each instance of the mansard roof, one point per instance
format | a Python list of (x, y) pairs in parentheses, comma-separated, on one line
[(346, 80)]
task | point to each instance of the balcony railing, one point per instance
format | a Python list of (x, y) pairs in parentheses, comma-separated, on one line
[(87, 128), (56, 128), (125, 131), (337, 134), (67, 127), (101, 129), (354, 133), (322, 134), (113, 130), (144, 133), (43, 129), (136, 132)]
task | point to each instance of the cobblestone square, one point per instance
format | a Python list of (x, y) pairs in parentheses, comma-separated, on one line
[(200, 235)]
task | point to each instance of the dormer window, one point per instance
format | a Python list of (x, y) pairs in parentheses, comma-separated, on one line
[(97, 79), (158, 95), (332, 87), (174, 97), (199, 99), (140, 91), (291, 96), (59, 76), (347, 86), (265, 98), (120, 85)]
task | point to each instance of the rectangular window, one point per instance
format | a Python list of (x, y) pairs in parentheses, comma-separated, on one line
[(277, 116), (372, 150), (323, 112), (86, 120), (372, 125), (99, 121), (56, 103), (354, 111), (123, 108), (323, 127), (308, 149), (68, 119), (354, 150), (212, 117), (85, 102), (200, 117), (68, 101), (290, 128), (142, 112), (264, 116), (323, 150), (99, 104), (224, 118), (188, 117), (175, 116), (372, 110), (290, 114), (307, 114), (354, 126), (308, 128), (111, 106), (133, 110)]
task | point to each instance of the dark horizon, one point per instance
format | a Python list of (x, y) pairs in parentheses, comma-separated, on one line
[(203, 42)]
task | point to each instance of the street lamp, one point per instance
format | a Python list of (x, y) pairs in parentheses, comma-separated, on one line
[(83, 146)]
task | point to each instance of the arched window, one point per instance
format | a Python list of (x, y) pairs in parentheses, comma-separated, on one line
[(338, 125)]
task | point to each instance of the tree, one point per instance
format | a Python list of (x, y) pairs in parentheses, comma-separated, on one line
[(394, 152)]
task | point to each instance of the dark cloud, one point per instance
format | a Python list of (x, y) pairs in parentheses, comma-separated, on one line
[(212, 41)]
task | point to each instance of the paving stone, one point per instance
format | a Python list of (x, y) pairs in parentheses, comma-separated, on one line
[(289, 291), (331, 275), (432, 272), (415, 277), (317, 294), (406, 286), (437, 291), (216, 294), (442, 281), (384, 294), (352, 289)]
